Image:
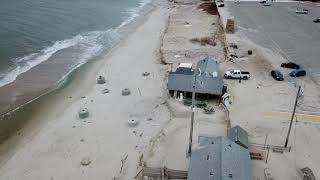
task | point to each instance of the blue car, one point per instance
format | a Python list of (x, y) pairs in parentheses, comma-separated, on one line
[(297, 73)]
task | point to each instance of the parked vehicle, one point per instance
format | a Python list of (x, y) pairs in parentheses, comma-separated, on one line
[(277, 75), (237, 74), (290, 65), (316, 20), (302, 11), (298, 73), (219, 0), (221, 5), (262, 2)]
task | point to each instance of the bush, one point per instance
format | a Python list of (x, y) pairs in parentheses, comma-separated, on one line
[(204, 41)]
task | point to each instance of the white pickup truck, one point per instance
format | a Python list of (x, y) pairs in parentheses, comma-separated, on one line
[(237, 74), (302, 11)]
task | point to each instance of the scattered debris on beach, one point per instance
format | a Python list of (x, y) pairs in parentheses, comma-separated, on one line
[(145, 74), (208, 110), (209, 7), (105, 91), (86, 161), (187, 24), (307, 174), (123, 162), (233, 45)]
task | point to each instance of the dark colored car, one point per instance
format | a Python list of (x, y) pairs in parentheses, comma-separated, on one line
[(317, 20), (221, 5), (262, 2), (277, 75), (297, 73), (290, 65)]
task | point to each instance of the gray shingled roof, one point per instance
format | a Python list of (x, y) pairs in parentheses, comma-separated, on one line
[(239, 136), (204, 84), (207, 65), (220, 159), (183, 70)]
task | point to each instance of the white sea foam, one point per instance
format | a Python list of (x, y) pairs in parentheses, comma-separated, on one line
[(134, 12), (27, 62), (90, 45)]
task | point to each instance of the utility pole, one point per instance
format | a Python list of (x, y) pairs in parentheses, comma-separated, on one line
[(293, 113), (192, 116)]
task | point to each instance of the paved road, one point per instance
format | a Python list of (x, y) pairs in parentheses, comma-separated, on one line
[(287, 116), (278, 27)]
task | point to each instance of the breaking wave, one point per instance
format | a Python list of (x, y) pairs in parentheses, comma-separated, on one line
[(88, 44)]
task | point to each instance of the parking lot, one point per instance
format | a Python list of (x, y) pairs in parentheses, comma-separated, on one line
[(262, 105), (278, 27)]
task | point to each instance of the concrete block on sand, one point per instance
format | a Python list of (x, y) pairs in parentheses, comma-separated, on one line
[(132, 122), (101, 80), (83, 113), (126, 92)]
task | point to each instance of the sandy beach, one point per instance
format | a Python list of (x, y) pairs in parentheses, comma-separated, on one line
[(55, 149), (55, 142)]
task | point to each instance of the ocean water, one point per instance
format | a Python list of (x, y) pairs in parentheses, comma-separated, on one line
[(76, 31)]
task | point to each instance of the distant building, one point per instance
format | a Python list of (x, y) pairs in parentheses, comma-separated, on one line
[(204, 80), (239, 136), (219, 158)]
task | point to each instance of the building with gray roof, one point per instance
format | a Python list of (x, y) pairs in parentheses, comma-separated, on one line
[(239, 136), (204, 80), (183, 70), (207, 67), (219, 158), (203, 85)]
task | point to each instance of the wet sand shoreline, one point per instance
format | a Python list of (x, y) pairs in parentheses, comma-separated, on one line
[(19, 127), (55, 147), (29, 93)]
